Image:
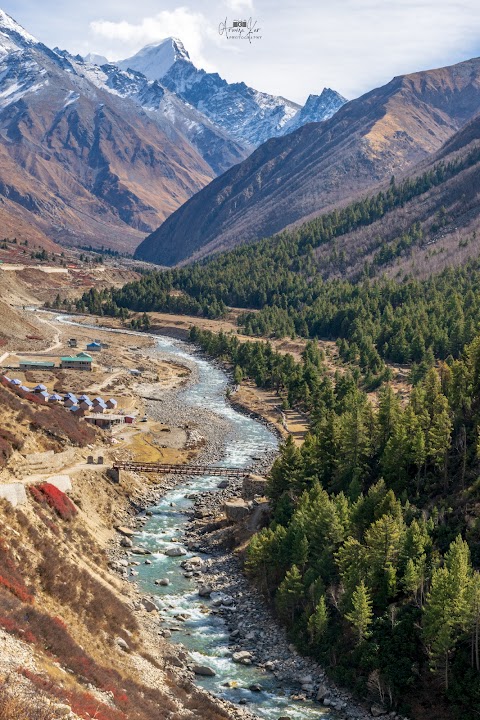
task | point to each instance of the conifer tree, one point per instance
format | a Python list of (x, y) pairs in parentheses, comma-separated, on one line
[(361, 613)]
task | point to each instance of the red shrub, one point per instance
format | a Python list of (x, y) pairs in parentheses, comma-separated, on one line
[(10, 576), (14, 628), (84, 705), (58, 501)]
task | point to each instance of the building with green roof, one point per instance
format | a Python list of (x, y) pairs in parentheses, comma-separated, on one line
[(82, 361)]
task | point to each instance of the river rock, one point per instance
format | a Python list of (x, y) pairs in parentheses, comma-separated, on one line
[(126, 542), (175, 551), (203, 670), (149, 605), (140, 551), (305, 680), (243, 657), (205, 590), (164, 582), (127, 532), (236, 510), (255, 688), (322, 692)]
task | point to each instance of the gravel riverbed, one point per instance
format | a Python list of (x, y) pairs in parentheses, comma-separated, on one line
[(255, 638)]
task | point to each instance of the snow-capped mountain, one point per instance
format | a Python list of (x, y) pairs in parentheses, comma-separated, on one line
[(94, 59), (92, 153), (247, 115), (13, 36), (156, 59), (317, 108), (79, 162), (169, 111)]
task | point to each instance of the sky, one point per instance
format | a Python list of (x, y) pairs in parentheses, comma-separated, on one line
[(301, 46)]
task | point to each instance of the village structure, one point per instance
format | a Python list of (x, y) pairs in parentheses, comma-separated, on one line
[(99, 411)]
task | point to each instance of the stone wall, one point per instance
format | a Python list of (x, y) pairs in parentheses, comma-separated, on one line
[(254, 486)]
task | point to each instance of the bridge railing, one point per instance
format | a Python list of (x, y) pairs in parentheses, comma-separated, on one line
[(167, 469)]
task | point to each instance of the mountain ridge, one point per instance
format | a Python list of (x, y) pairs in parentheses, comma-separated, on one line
[(318, 166)]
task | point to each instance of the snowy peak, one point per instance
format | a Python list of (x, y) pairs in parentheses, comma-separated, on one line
[(12, 35), (155, 60), (94, 59), (317, 109)]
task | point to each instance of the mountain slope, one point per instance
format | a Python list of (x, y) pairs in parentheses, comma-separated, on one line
[(289, 179), (437, 229), (171, 113), (81, 164)]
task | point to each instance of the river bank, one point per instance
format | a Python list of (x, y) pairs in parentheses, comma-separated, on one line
[(218, 579), (281, 679)]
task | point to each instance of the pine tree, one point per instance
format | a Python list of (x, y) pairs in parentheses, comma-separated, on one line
[(361, 614), (446, 609), (318, 622), (290, 594), (473, 605), (283, 475), (439, 436)]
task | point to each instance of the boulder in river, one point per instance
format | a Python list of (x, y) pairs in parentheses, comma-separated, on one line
[(205, 590), (149, 605), (175, 551), (203, 670), (243, 657), (140, 551)]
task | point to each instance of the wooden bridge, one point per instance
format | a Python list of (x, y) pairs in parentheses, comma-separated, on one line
[(166, 469)]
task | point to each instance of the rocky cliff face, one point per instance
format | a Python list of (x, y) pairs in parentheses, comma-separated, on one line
[(292, 178)]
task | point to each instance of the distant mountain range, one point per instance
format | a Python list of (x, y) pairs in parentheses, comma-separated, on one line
[(95, 153), (290, 179), (247, 115)]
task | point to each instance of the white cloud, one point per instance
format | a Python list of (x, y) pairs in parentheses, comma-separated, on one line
[(126, 37), (240, 5)]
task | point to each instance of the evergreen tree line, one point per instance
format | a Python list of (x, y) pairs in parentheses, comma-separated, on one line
[(409, 322), (371, 559)]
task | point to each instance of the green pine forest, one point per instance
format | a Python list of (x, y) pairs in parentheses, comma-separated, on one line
[(280, 285), (375, 536), (372, 556)]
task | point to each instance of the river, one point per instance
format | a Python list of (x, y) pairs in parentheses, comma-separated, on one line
[(205, 634)]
